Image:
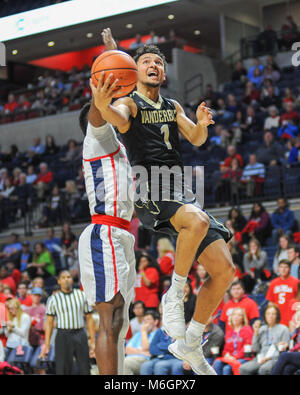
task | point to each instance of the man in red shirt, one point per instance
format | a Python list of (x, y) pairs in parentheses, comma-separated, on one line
[(290, 114), (238, 299), (282, 289), (231, 150), (5, 278), (11, 105), (44, 178), (23, 297)]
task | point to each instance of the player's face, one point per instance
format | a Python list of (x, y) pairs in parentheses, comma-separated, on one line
[(151, 70)]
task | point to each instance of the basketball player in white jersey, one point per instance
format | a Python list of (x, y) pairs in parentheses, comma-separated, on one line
[(106, 253)]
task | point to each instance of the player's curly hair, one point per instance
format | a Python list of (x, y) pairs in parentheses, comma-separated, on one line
[(83, 117), (150, 49)]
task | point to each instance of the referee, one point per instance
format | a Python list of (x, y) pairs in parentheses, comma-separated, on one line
[(69, 307)]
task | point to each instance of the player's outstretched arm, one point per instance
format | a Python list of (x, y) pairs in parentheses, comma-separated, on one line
[(197, 133), (109, 41)]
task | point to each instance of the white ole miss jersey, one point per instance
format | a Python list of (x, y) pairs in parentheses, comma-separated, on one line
[(107, 173)]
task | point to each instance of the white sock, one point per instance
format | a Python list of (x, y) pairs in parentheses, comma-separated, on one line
[(194, 333), (177, 285)]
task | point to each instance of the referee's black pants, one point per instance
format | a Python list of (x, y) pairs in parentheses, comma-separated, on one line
[(71, 343)]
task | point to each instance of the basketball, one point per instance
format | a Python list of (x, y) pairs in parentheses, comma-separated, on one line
[(121, 65)]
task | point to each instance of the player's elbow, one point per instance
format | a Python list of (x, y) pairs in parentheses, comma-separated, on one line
[(197, 141)]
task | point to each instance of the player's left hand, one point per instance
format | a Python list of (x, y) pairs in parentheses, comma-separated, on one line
[(204, 115), (108, 40)]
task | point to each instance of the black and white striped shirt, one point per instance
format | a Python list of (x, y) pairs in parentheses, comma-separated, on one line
[(69, 308)]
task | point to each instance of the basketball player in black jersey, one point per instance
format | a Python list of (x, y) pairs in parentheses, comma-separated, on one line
[(149, 125)]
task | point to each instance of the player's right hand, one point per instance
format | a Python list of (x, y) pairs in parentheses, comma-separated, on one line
[(104, 92)]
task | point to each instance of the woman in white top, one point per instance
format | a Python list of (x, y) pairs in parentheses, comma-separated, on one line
[(17, 325), (281, 252)]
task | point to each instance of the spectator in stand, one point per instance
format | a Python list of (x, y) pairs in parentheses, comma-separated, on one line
[(137, 348), (270, 151), (288, 96), (11, 251), (38, 282), (162, 362), (7, 279), (44, 178), (251, 94), (289, 33), (289, 361), (137, 43), (254, 262), (200, 277), (138, 311), (53, 244), (147, 281), (23, 194), (283, 220), (189, 302), (257, 77), (293, 154), (23, 297), (288, 131), (43, 264), (228, 188), (3, 176), (17, 325), (11, 105), (294, 311), (293, 253), (271, 74), (74, 203), (282, 289), (239, 74), (236, 220), (290, 114), (23, 104), (281, 253), (272, 121), (54, 209), (232, 153), (265, 341), (237, 336), (31, 176), (266, 40), (238, 299), (213, 340), (73, 153), (154, 39), (256, 64), (166, 256), (263, 226), (25, 257), (37, 312), (253, 176), (67, 239), (38, 148), (269, 96), (50, 146)]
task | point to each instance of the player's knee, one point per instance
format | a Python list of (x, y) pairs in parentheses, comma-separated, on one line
[(224, 270)]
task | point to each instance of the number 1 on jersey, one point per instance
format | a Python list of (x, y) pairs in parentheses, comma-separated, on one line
[(166, 132)]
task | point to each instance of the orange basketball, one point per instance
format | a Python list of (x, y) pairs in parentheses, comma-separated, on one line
[(121, 65)]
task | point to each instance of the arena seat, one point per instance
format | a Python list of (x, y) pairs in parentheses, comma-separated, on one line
[(47, 364), (20, 357)]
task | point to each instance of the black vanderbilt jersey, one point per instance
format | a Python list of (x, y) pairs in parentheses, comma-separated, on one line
[(152, 139)]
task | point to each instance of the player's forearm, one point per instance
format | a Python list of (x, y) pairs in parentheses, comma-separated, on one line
[(198, 134), (114, 116), (95, 117)]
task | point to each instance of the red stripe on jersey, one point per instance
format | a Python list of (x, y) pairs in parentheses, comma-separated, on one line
[(104, 156), (114, 259)]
